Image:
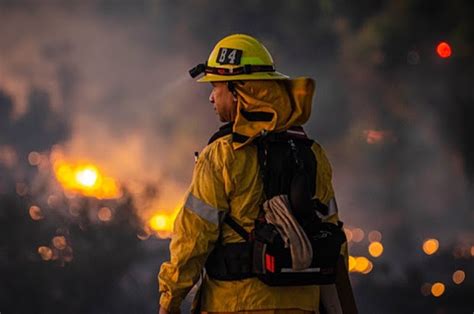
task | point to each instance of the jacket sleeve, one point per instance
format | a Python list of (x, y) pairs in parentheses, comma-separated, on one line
[(196, 228), (325, 190)]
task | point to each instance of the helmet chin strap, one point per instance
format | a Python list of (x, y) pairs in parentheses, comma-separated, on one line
[(231, 87)]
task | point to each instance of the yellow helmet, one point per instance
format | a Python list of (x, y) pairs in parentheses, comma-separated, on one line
[(238, 57)]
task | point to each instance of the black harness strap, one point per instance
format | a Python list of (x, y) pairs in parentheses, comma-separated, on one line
[(237, 228), (223, 131)]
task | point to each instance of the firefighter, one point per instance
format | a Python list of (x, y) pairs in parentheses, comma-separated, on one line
[(250, 97)]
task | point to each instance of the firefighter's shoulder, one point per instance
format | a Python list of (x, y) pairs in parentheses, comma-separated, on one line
[(219, 152)]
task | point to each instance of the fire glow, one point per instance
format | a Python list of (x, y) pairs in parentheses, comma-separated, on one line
[(162, 223), (86, 179)]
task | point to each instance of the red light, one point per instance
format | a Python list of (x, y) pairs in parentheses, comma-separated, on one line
[(444, 50)]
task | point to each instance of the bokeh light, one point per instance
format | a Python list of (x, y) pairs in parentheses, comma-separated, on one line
[(34, 158), (368, 269), (444, 50), (104, 214), (375, 249), (352, 262), (45, 252), (438, 289), (430, 246), (374, 136), (36, 213), (459, 276), (348, 233), (357, 235), (74, 210), (8, 156), (361, 264), (374, 236), (143, 235), (59, 242)]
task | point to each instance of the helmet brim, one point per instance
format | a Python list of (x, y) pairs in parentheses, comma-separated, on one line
[(243, 77)]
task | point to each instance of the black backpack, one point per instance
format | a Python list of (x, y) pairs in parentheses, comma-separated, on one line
[(287, 166)]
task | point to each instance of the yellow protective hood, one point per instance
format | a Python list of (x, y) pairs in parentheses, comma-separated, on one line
[(273, 105)]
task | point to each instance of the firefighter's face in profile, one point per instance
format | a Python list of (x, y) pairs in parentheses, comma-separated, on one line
[(225, 103)]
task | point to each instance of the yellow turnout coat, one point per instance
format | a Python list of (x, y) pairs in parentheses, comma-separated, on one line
[(226, 180)]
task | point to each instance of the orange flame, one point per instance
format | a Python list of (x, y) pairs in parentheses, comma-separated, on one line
[(86, 179), (162, 223)]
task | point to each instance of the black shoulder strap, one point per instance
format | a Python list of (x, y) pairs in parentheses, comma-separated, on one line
[(236, 227), (223, 131)]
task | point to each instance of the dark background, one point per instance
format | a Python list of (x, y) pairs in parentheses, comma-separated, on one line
[(106, 81)]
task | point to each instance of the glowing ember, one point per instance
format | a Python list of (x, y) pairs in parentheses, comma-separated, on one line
[(85, 179), (430, 246), (35, 213), (459, 276), (375, 249), (45, 252), (437, 289)]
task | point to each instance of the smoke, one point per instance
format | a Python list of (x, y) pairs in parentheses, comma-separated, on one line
[(120, 87), (127, 103), (409, 181), (107, 82)]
